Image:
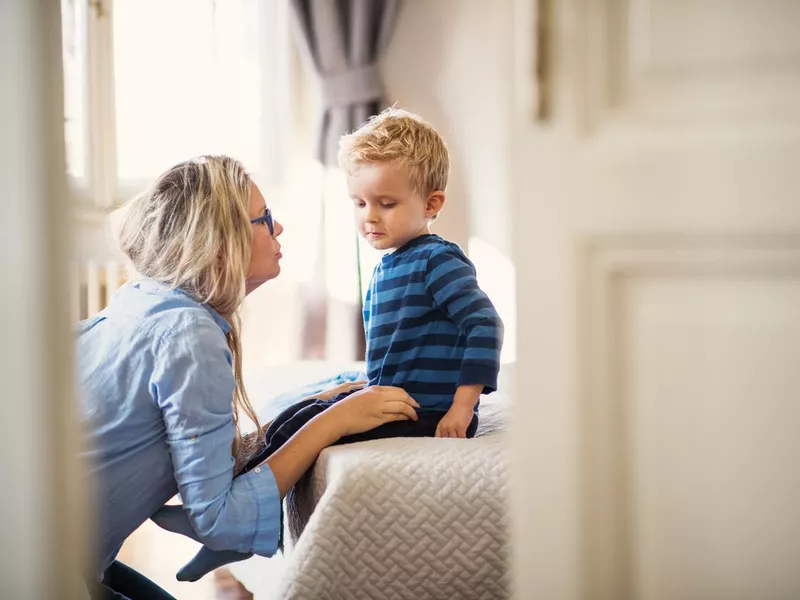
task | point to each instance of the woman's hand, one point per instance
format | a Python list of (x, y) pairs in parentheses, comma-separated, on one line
[(361, 411), (371, 407), (330, 394)]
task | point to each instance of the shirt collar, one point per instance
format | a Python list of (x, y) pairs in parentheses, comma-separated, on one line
[(155, 287), (417, 241)]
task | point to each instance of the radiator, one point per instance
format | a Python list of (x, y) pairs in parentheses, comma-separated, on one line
[(93, 284)]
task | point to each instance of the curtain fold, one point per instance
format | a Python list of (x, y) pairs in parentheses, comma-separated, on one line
[(344, 40)]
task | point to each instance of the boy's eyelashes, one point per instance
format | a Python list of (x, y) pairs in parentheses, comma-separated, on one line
[(382, 204)]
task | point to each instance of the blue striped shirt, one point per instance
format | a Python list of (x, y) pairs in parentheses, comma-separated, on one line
[(429, 327)]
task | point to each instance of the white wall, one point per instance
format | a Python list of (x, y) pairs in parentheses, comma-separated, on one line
[(450, 61)]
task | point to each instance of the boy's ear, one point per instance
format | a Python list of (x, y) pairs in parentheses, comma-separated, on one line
[(435, 204)]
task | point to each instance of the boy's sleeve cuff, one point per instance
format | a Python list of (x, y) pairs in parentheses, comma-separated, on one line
[(479, 375)]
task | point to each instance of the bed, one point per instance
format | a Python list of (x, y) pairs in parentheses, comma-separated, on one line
[(398, 518)]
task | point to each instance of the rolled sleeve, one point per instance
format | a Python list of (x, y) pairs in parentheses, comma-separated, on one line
[(264, 488), (194, 388)]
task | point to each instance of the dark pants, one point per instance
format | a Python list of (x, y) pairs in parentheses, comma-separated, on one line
[(289, 422), (120, 582)]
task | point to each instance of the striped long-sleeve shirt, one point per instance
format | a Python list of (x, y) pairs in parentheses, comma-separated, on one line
[(429, 327)]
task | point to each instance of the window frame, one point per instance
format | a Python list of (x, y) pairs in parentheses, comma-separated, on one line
[(100, 189)]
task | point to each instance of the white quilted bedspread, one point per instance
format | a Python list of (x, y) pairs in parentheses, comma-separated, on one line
[(401, 518)]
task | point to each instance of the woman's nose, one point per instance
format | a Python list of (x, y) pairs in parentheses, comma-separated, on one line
[(278, 228)]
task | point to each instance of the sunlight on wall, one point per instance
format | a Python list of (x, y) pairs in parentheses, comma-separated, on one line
[(497, 277), (340, 240)]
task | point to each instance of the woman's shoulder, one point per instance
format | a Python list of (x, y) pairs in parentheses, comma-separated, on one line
[(155, 309)]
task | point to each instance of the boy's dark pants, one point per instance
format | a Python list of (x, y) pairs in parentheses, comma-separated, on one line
[(289, 422)]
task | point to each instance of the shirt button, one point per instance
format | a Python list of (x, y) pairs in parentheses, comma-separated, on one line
[(257, 470)]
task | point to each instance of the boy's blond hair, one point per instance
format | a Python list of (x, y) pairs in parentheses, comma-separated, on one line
[(400, 137)]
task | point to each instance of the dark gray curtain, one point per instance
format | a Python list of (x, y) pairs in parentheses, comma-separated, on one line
[(343, 40)]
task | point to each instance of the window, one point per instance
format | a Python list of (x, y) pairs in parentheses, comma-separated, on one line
[(74, 47), (149, 83)]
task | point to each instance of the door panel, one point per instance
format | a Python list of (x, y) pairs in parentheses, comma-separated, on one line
[(657, 244)]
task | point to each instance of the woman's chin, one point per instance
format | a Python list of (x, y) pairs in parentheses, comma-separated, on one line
[(253, 284)]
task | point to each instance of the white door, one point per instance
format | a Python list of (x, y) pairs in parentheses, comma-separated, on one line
[(657, 245)]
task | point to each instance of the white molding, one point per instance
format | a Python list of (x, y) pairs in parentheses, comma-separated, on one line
[(606, 263), (621, 83), (102, 148)]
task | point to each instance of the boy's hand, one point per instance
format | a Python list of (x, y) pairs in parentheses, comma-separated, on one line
[(455, 423)]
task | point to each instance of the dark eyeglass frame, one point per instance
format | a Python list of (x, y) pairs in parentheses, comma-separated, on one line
[(265, 218)]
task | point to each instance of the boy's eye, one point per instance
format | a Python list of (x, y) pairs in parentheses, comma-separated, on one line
[(387, 204)]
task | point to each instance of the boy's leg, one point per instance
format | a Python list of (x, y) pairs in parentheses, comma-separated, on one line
[(173, 518), (207, 560), (274, 426), (278, 436), (131, 584), (424, 426), (473, 427)]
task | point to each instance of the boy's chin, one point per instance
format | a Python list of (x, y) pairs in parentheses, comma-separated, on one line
[(380, 243)]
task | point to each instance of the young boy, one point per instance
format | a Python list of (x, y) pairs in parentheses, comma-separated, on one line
[(430, 329)]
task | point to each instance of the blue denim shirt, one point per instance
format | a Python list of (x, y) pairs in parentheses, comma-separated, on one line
[(155, 387)]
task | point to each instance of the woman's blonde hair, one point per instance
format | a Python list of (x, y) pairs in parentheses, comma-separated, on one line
[(191, 230)]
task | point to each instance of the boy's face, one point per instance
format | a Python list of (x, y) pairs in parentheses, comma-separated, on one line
[(389, 211)]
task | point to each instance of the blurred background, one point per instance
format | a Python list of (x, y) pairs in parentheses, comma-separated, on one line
[(624, 176)]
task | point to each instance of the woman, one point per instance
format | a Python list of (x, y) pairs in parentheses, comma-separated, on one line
[(160, 382)]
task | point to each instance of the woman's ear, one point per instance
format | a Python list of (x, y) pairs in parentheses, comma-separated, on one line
[(435, 204)]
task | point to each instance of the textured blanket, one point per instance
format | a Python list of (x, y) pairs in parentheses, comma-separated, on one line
[(403, 518)]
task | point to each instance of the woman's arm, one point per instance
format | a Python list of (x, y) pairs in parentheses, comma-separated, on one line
[(192, 383), (290, 461), (361, 411)]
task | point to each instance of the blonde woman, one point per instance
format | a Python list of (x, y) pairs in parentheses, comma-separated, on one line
[(160, 382)]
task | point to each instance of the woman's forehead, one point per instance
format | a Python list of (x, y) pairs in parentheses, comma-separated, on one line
[(257, 201)]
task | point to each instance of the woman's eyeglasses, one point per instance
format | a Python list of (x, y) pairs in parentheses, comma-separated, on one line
[(265, 218)]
